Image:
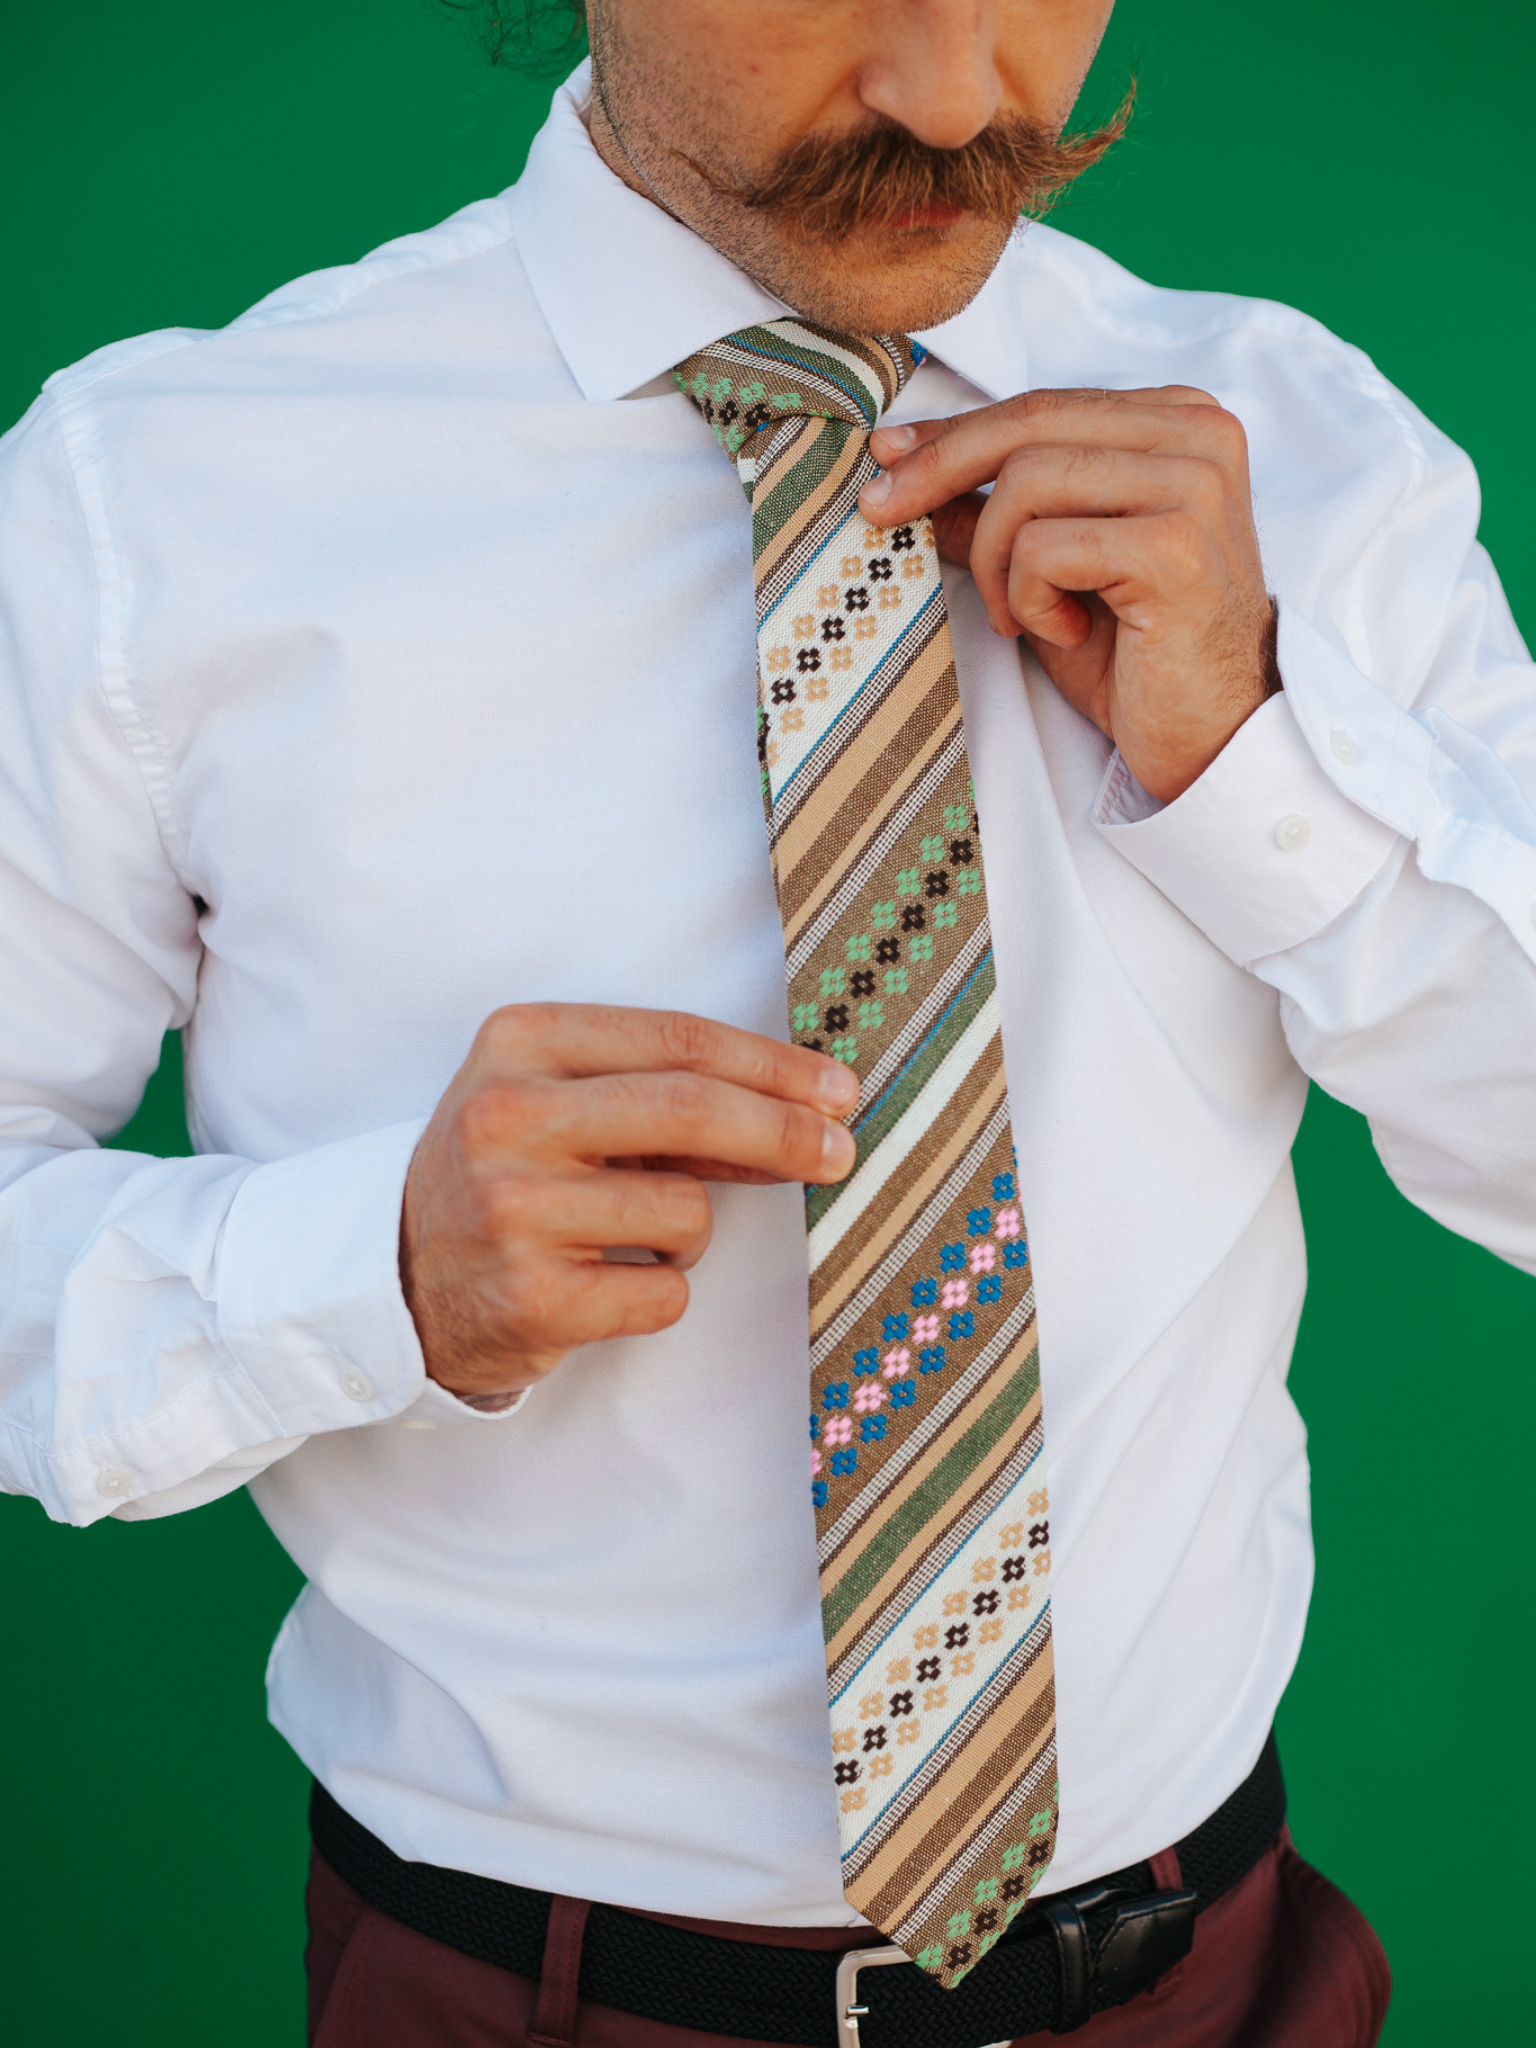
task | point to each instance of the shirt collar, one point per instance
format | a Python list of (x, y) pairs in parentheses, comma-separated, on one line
[(628, 291)]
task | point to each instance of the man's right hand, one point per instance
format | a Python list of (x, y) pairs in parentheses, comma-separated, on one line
[(571, 1130)]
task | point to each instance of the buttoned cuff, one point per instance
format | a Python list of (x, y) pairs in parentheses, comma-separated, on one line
[(310, 1304), (1262, 851)]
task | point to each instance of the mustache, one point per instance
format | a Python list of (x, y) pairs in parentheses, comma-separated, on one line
[(879, 176)]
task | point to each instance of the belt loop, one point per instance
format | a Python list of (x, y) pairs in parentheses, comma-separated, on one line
[(1166, 1874), (554, 2019)]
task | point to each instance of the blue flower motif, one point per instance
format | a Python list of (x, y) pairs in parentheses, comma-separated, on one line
[(952, 1258), (1004, 1187), (815, 1427), (866, 1361), (904, 1394), (894, 1328), (978, 1221), (844, 1462), (991, 1288), (836, 1396), (931, 1358), (924, 1293), (871, 1429), (962, 1325), (818, 1493), (1016, 1254)]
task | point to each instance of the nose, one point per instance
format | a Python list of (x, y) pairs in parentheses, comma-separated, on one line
[(933, 71)]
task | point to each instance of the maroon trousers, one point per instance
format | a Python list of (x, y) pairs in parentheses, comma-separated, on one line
[(1282, 1961)]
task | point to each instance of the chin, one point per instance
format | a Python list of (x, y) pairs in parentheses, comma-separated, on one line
[(893, 280)]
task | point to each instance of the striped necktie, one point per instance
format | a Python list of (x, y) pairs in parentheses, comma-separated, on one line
[(927, 1474)]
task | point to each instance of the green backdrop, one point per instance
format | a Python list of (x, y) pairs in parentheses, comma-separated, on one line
[(167, 163)]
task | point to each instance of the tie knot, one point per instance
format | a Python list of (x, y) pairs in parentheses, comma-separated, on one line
[(788, 369)]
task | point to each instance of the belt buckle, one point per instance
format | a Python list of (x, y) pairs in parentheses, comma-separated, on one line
[(849, 2012)]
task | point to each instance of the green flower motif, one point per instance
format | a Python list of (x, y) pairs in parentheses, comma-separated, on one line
[(929, 1958), (956, 817), (921, 947), (933, 847), (831, 981), (1014, 1908), (945, 914), (989, 1941), (987, 1889), (845, 1049), (883, 917), (896, 981), (788, 401), (721, 390), (805, 1017), (753, 393), (909, 882), (860, 946), (1040, 1823), (871, 1016), (957, 1924), (968, 882), (958, 1974), (1014, 1855)]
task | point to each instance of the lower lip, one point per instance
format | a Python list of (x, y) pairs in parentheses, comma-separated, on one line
[(929, 217)]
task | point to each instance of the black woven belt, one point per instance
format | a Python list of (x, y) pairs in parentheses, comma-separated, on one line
[(1068, 1957)]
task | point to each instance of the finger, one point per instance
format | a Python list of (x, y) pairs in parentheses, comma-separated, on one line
[(1132, 563), (954, 527), (585, 1039), (1093, 482), (665, 1213), (596, 1301), (699, 1169), (970, 450), (674, 1115)]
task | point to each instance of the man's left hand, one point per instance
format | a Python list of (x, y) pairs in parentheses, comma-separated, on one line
[(1118, 540)]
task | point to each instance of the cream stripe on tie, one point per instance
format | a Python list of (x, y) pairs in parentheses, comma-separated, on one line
[(927, 1469)]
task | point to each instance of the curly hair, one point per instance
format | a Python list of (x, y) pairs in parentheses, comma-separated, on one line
[(526, 32)]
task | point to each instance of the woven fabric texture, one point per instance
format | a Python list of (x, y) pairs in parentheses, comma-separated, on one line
[(927, 1468)]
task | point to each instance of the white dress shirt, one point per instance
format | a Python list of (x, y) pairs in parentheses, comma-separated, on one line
[(387, 656)]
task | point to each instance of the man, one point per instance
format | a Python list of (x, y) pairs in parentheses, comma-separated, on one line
[(377, 679)]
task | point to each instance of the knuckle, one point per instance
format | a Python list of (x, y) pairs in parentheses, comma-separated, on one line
[(537, 1300), (481, 1120), (504, 1208), (686, 1040), (1184, 540), (685, 1099)]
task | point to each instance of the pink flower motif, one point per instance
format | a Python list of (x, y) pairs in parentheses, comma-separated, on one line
[(956, 1294), (1007, 1224), (897, 1361), (983, 1258), (815, 1463), (839, 1429), (925, 1330), (869, 1397)]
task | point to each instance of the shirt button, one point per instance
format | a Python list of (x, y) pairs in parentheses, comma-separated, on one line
[(356, 1385), (1342, 741), (1292, 832), (112, 1483)]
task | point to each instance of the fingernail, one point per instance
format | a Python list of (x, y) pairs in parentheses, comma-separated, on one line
[(876, 492), (837, 1150), (899, 438), (839, 1087)]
